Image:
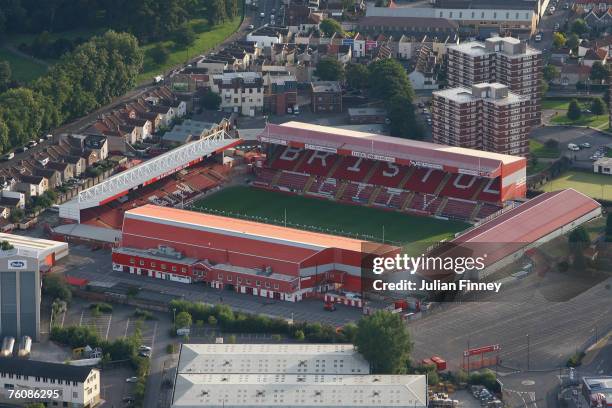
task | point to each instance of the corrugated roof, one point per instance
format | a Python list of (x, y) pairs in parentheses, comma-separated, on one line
[(398, 148), (43, 369), (247, 229)]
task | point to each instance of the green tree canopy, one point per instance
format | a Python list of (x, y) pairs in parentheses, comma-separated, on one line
[(579, 27), (599, 72), (183, 319), (598, 107), (558, 40), (210, 100), (388, 78), (159, 54), (400, 112), (550, 72), (357, 76), (573, 111), (383, 339), (5, 75), (184, 36), (56, 287), (572, 41), (330, 26), (330, 69)]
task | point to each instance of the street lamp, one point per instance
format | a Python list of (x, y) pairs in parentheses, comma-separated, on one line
[(174, 315)]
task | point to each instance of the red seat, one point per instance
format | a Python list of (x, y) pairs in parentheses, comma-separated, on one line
[(491, 191), (293, 181), (388, 174), (288, 158), (487, 210), (324, 186), (462, 186), (357, 192), (425, 180), (353, 168), (459, 209), (317, 163)]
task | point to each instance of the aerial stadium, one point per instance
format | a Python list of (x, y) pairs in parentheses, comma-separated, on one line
[(198, 218)]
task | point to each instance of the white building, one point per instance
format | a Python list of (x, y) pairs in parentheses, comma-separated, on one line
[(282, 375), (75, 386), (240, 92), (603, 166)]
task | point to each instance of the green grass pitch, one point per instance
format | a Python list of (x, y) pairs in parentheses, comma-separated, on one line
[(591, 184), (330, 217)]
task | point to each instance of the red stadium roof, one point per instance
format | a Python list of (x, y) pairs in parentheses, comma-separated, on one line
[(384, 147), (533, 220), (527, 224), (243, 228)]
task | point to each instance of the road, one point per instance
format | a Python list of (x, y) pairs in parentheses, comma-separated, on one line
[(547, 25)]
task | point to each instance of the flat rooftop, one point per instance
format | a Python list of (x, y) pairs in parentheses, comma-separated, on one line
[(273, 390), (35, 247), (271, 358), (243, 228)]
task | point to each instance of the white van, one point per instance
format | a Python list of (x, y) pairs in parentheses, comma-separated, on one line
[(573, 147)]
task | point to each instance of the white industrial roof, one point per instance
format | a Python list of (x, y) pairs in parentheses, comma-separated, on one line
[(278, 390), (271, 358), (36, 247)]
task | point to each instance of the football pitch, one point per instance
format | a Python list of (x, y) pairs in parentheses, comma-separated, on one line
[(598, 186), (329, 217)]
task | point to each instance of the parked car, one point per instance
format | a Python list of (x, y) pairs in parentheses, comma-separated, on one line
[(32, 143), (250, 27), (573, 147), (131, 379), (21, 149), (538, 37), (585, 145), (8, 156)]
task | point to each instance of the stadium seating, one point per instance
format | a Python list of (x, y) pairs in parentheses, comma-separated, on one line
[(491, 190), (388, 174), (293, 181), (425, 180), (462, 186), (287, 159), (357, 192), (458, 208), (265, 176), (317, 163), (325, 186), (425, 203), (487, 210), (353, 168)]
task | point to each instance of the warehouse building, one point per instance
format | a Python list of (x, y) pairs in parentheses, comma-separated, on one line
[(281, 375), (19, 294), (46, 251)]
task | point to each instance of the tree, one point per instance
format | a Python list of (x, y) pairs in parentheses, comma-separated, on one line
[(383, 339), (579, 27), (550, 72), (579, 237), (210, 100), (388, 78), (5, 245), (159, 54), (215, 11), (573, 111), (56, 287), (183, 319), (559, 40), (572, 41), (598, 107), (330, 26), (329, 69), (400, 112), (5, 75), (184, 36), (357, 76), (599, 72)]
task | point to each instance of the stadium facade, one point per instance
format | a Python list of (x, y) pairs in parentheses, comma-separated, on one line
[(248, 257), (389, 173)]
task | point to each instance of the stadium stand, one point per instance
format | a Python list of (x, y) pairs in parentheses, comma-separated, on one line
[(388, 172)]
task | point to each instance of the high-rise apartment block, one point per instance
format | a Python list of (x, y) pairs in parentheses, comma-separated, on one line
[(505, 60), (486, 116)]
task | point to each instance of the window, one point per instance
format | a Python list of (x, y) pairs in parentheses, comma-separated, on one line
[(153, 264), (132, 261), (163, 266), (9, 386), (257, 283), (75, 394), (184, 270), (173, 268), (141, 262)]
